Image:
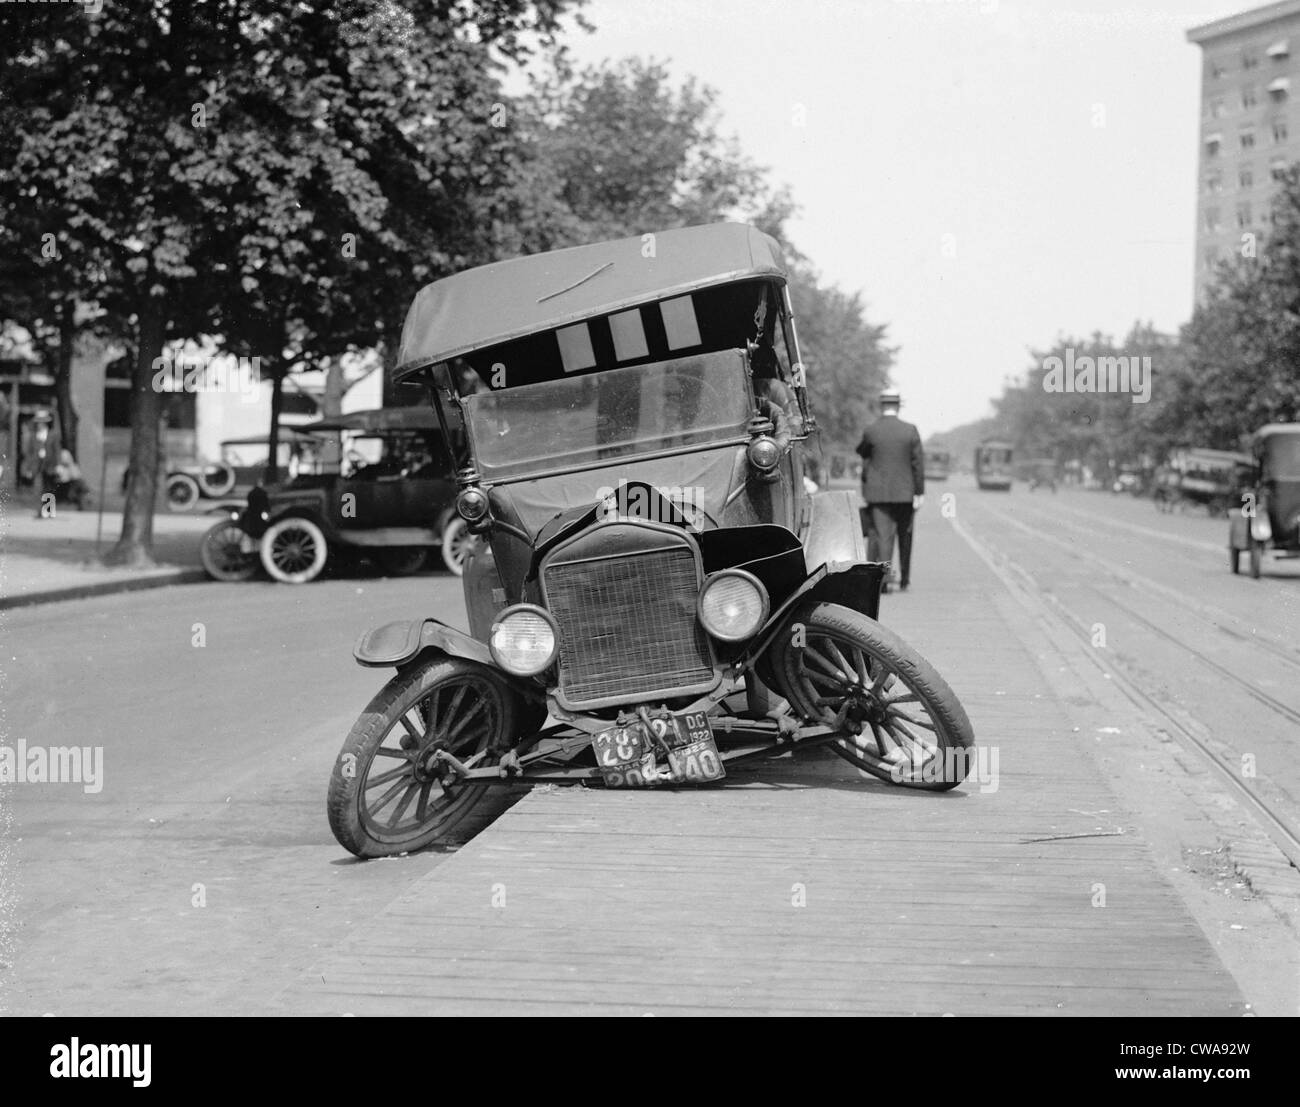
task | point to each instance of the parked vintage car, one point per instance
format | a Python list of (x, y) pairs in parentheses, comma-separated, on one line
[(241, 466), (1268, 516), (629, 421), (186, 485), (1200, 478), (392, 500)]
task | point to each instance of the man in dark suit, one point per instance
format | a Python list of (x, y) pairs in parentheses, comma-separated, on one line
[(893, 484)]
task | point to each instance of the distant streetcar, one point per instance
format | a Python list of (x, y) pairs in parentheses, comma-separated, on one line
[(993, 465)]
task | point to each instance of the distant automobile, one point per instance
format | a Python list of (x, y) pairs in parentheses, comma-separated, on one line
[(1040, 472), (1129, 480), (842, 472), (392, 500), (1268, 518), (1198, 477), (993, 459), (938, 464)]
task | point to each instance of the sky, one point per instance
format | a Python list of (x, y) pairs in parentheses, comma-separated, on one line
[(988, 174)]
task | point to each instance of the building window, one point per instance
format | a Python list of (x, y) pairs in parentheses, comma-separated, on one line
[(1246, 177), (1212, 219), (1217, 107), (1279, 130), (1212, 145), (1249, 57), (1249, 97), (1218, 68), (1280, 89), (1279, 50), (1214, 183), (1243, 215), (1247, 140), (1277, 167)]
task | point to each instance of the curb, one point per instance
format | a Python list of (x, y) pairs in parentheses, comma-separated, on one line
[(104, 588)]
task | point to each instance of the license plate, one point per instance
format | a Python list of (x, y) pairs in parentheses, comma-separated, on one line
[(681, 750)]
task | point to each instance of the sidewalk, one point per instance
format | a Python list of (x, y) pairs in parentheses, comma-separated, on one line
[(802, 888), (56, 558)]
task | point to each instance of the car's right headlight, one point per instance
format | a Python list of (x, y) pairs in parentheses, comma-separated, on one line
[(733, 605), (524, 640)]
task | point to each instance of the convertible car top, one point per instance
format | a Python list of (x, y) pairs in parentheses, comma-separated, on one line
[(497, 303)]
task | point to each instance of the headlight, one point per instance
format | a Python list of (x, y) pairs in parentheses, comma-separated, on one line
[(732, 605), (472, 504), (523, 640), (764, 454)]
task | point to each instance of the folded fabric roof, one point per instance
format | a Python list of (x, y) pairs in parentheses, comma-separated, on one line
[(509, 299)]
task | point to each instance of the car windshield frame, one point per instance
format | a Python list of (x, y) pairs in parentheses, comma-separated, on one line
[(662, 390)]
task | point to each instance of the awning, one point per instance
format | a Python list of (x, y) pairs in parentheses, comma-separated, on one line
[(1214, 139), (1281, 84), (1280, 49)]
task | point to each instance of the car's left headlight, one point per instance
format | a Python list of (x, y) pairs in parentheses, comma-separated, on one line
[(524, 639), (733, 605)]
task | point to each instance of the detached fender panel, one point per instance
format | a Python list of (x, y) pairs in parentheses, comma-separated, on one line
[(834, 535), (397, 643)]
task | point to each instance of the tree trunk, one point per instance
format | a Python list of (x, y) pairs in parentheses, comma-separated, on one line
[(331, 450), (272, 473), (335, 387), (68, 418), (135, 546)]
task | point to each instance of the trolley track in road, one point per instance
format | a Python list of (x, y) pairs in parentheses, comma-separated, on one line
[(1020, 581), (1215, 616)]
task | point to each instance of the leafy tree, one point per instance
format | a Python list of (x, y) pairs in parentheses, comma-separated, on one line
[(847, 358), (204, 161), (617, 149), (620, 150)]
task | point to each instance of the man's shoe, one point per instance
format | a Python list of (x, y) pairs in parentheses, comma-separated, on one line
[(903, 586)]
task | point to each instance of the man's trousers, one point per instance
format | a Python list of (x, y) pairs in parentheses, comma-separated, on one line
[(884, 521)]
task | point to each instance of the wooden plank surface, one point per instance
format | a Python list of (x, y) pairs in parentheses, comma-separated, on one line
[(805, 888)]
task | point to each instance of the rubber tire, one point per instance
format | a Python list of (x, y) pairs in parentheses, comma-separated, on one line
[(456, 530), (406, 688), (1256, 558), (319, 556), (215, 489), (918, 674), (182, 492), (213, 565), (401, 561)]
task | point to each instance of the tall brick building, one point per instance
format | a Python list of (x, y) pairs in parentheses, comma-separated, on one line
[(1250, 128)]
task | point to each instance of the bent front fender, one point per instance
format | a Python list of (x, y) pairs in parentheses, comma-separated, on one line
[(394, 644), (853, 586)]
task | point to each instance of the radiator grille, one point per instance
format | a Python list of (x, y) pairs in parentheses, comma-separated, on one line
[(628, 626)]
